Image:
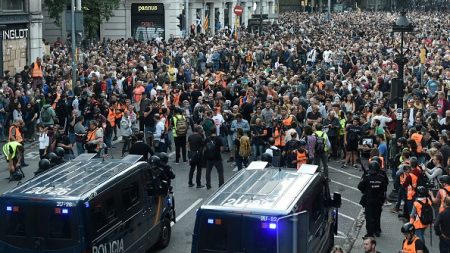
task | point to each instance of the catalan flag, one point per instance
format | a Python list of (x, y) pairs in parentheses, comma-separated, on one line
[(206, 23)]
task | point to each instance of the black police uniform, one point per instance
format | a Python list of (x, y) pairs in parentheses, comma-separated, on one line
[(442, 228), (373, 185)]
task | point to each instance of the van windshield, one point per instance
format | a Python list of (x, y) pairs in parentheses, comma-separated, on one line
[(44, 227), (237, 233)]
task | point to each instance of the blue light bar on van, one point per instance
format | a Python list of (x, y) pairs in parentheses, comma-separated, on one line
[(9, 208), (210, 221), (272, 225), (65, 211)]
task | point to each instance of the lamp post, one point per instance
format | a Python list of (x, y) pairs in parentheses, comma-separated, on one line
[(74, 61), (402, 25)]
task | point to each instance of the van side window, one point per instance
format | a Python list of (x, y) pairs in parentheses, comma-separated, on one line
[(130, 195), (149, 182), (318, 205), (103, 213)]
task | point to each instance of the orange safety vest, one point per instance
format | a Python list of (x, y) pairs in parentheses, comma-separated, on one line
[(91, 136), (411, 191), (410, 247), (111, 117), (418, 139), (176, 99), (279, 138), (36, 72), (301, 159), (443, 194), (416, 220), (288, 121), (18, 134)]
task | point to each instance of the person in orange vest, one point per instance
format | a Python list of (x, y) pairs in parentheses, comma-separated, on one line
[(444, 192), (301, 154), (111, 118), (119, 108), (37, 73), (15, 134), (417, 137), (409, 182), (412, 243), (416, 212), (94, 138)]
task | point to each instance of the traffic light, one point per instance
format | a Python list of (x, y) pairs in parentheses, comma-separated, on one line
[(181, 21)]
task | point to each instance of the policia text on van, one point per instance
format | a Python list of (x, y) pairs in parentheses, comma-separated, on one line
[(266, 210), (88, 205)]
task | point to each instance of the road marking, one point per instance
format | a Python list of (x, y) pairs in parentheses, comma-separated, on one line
[(31, 155), (179, 217), (343, 172), (350, 201), (341, 233), (341, 184), (346, 216), (340, 237), (171, 154)]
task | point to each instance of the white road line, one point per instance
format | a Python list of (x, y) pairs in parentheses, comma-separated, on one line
[(340, 237), (344, 172), (171, 154), (341, 184), (346, 216), (341, 233), (350, 201), (179, 217)]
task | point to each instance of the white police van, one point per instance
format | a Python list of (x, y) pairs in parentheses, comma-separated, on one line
[(88, 205), (267, 210)]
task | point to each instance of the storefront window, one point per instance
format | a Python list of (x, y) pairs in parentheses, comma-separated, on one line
[(12, 5)]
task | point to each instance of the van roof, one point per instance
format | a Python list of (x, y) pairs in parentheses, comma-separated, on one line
[(264, 190), (77, 179)]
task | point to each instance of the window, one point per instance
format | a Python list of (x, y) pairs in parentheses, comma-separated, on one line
[(15, 224), (13, 5), (60, 227), (318, 206), (130, 195), (103, 213)]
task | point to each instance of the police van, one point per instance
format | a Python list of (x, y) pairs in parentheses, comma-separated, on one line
[(88, 205), (267, 210)]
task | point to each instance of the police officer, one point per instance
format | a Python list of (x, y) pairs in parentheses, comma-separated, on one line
[(442, 227), (412, 243), (373, 186)]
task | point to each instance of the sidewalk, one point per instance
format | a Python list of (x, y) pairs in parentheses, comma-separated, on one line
[(391, 238)]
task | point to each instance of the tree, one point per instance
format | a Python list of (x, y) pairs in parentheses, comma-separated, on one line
[(94, 12)]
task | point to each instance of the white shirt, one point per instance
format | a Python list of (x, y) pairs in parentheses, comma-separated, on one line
[(382, 119), (327, 56), (159, 130), (75, 104), (43, 140), (270, 150), (218, 121)]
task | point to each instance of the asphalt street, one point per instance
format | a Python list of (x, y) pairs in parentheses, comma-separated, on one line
[(189, 199)]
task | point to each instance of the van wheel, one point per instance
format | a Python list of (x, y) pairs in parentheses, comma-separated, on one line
[(164, 237)]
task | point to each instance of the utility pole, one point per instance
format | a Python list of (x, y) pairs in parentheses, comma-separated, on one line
[(329, 10), (186, 13), (74, 64), (260, 16)]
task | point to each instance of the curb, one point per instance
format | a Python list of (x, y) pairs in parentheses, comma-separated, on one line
[(354, 231)]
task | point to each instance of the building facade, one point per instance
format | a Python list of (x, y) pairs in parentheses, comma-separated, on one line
[(21, 33), (147, 19)]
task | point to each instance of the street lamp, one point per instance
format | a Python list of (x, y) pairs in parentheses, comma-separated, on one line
[(402, 25)]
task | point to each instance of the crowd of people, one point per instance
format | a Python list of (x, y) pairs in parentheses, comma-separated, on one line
[(305, 91)]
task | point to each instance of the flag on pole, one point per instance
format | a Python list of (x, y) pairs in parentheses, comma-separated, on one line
[(206, 23)]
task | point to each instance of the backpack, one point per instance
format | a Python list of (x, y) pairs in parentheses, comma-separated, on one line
[(46, 115), (276, 158), (210, 149), (245, 149), (426, 216), (319, 147), (181, 127)]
